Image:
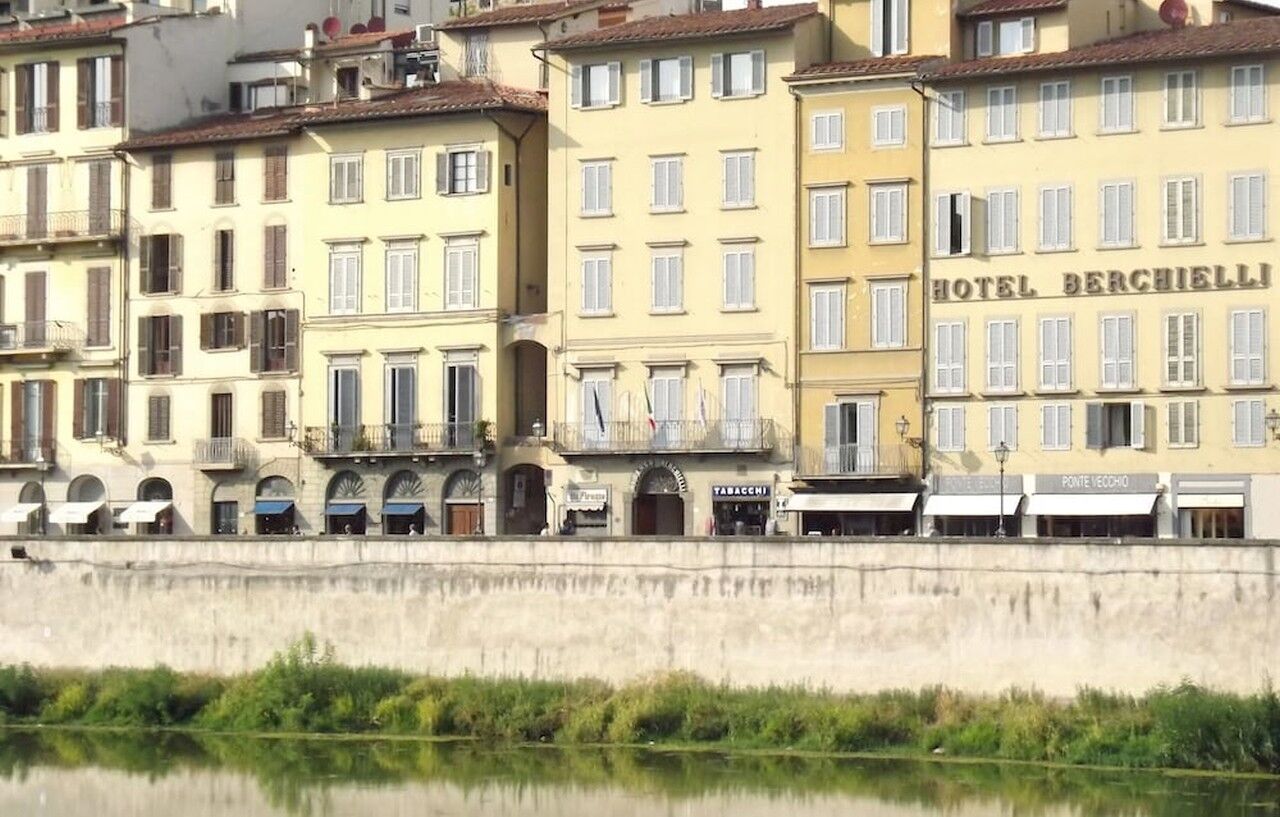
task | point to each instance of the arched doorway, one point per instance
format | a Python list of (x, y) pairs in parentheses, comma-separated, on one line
[(36, 521), (344, 509), (658, 506), (529, 372), (404, 509), (86, 508), (273, 507), (463, 504), (526, 500), (224, 510), (157, 490)]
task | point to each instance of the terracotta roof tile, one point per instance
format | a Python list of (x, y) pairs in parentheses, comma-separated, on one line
[(61, 30), (870, 67), (444, 98), (521, 13), (991, 8), (364, 39), (689, 26), (1260, 35)]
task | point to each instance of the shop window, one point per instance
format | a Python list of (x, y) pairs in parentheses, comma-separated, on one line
[(1097, 527), (1212, 523)]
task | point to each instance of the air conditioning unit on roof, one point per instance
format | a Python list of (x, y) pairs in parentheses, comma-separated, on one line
[(425, 34)]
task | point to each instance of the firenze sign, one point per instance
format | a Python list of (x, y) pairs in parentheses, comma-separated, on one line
[(1106, 282)]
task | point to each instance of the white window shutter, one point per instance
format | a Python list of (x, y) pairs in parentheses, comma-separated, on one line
[(686, 77), (901, 26), (757, 72), (984, 38), (575, 86), (1028, 34), (482, 171), (1138, 425), (442, 173), (942, 224), (964, 223), (646, 80), (615, 82), (717, 75), (1093, 425), (878, 28)]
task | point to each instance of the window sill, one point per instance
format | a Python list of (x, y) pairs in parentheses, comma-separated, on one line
[(1166, 127), (819, 150), (1119, 391), (996, 395), (460, 194), (1056, 392), (1055, 250), (158, 294), (944, 145), (276, 374), (888, 146), (658, 103), (1248, 387), (590, 315), (222, 350), (223, 205), (1249, 445), (1054, 137), (276, 289), (1182, 446), (1003, 140), (1167, 389), (346, 202), (1244, 123), (951, 395), (833, 246), (1262, 240), (270, 440), (1127, 132), (159, 442), (666, 212), (1173, 245), (159, 377), (751, 206), (957, 255), (737, 97), (999, 253), (738, 310), (276, 201), (605, 106), (169, 209), (595, 215), (662, 312), (888, 242), (404, 198), (1117, 247)]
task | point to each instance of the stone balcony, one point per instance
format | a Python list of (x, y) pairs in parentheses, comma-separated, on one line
[(672, 437)]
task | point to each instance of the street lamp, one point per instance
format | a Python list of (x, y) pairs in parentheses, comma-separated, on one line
[(1273, 424), (902, 426), (40, 466), (1002, 456), (478, 458), (539, 430)]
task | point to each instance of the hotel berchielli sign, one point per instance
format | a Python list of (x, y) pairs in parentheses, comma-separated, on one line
[(1105, 282)]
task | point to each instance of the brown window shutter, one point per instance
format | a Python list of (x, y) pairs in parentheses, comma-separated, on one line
[(175, 344), (35, 301), (1, 299), (54, 70), (282, 174), (22, 88), (117, 90), (144, 264), (154, 403), (291, 340), (92, 308), (175, 263), (77, 409), (237, 329), (276, 273), (99, 324), (257, 329), (162, 182), (206, 330), (268, 257), (217, 259), (15, 421), (114, 394), (84, 81), (273, 419), (144, 347), (49, 408)]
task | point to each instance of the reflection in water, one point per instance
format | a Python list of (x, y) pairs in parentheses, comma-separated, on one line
[(130, 774)]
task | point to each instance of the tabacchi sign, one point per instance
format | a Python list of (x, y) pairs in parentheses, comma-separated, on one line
[(1107, 282)]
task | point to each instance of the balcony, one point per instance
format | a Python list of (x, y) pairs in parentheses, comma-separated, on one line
[(858, 462), (27, 455), (39, 339), (671, 437), (60, 228), (221, 454), (390, 440)]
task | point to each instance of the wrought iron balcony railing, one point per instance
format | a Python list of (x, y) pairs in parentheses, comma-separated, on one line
[(858, 461), (71, 225), (39, 337), (28, 453), (675, 436), (390, 439), (222, 453)]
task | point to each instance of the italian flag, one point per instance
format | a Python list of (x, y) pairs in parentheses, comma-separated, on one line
[(648, 405)]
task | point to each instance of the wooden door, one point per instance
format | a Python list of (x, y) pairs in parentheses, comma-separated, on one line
[(464, 519)]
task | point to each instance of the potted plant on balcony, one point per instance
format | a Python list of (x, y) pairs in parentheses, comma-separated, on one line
[(484, 435)]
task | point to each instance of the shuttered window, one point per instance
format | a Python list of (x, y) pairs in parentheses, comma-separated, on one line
[(596, 86), (344, 279), (1117, 351), (159, 348), (161, 181), (160, 264), (1181, 99), (739, 179), (1116, 201), (826, 130), (1055, 218), (666, 80), (739, 278), (1002, 114), (273, 341), (889, 315), (1248, 206), (1002, 426), (224, 168), (888, 213), (1002, 221), (739, 74), (402, 277), (890, 27), (275, 256), (1002, 355), (1182, 349), (826, 317), (826, 217), (461, 275), (949, 357), (274, 415), (1248, 347), (36, 103), (597, 188), (275, 173), (949, 119), (1181, 210), (1117, 104), (158, 418), (222, 330), (889, 126), (951, 224), (1055, 427), (950, 423), (224, 260), (1055, 109), (666, 187), (1248, 94), (98, 317), (404, 174), (1248, 423), (1055, 354), (667, 285), (346, 179), (597, 284), (1183, 423)]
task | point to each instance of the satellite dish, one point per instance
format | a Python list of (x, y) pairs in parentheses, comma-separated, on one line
[(331, 27), (358, 28), (377, 24), (1174, 13)]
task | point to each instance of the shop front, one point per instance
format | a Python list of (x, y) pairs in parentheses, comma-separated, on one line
[(1107, 506), (741, 510), (1211, 507), (586, 511), (975, 506), (855, 514)]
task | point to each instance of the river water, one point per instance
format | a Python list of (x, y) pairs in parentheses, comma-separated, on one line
[(70, 774)]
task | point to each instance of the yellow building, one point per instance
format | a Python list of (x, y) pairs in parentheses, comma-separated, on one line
[(672, 201), (1101, 275)]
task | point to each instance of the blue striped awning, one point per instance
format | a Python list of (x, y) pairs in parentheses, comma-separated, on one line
[(401, 508), (271, 507), (344, 509)]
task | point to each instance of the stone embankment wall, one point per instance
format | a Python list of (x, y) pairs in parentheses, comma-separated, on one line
[(848, 615)]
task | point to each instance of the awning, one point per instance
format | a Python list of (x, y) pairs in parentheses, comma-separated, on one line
[(20, 512), (855, 503), (144, 511), (971, 504), (1210, 500), (76, 513), (401, 509), (1091, 504), (271, 507), (344, 509)]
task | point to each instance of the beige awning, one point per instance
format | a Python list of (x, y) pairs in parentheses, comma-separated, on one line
[(971, 504), (852, 503), (75, 513), (1091, 504), (20, 512), (144, 512), (1210, 500)]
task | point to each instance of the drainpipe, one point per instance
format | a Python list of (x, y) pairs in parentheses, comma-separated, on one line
[(125, 259), (926, 413), (797, 293)]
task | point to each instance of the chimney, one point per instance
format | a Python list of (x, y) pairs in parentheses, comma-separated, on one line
[(755, 5)]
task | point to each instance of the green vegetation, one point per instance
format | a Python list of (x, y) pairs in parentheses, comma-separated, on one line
[(305, 690)]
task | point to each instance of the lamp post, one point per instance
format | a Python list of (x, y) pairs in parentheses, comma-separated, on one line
[(40, 466), (478, 458), (1273, 423), (1002, 456), (539, 430)]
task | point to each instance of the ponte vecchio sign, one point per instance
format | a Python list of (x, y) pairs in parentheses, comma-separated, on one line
[(1105, 282)]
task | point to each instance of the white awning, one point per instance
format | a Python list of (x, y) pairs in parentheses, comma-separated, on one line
[(1090, 504), (854, 503), (144, 511), (76, 513), (20, 512), (1210, 500), (971, 504)]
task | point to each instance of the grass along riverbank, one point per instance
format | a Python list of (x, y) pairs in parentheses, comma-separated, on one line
[(304, 690)]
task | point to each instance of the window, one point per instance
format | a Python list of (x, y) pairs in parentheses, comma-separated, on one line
[(889, 126), (739, 188), (826, 217), (100, 95), (403, 174), (1117, 104), (666, 80), (737, 75), (596, 86), (1181, 109), (1116, 202), (400, 401), (402, 277), (224, 260), (273, 341), (1182, 349), (275, 173), (461, 265), (93, 406), (160, 260), (950, 428), (461, 398), (888, 213), (666, 286), (475, 54), (890, 21), (1181, 211), (738, 415), (597, 284), (1248, 206), (1115, 425), (1248, 347), (666, 405), (739, 278), (888, 315), (826, 130), (1055, 354), (1055, 109), (221, 416), (98, 317), (1055, 218), (344, 279), (344, 403), (268, 96), (597, 188), (1002, 426), (826, 317), (160, 345), (1183, 421), (158, 418), (347, 80), (275, 415), (1248, 94), (1117, 352), (949, 120), (951, 224), (275, 256), (1002, 355), (346, 179), (1003, 37), (666, 191), (1002, 114), (161, 181), (948, 357), (36, 86), (1002, 221), (1212, 523), (226, 518), (1247, 423), (1055, 427), (224, 175), (459, 172), (221, 330), (596, 406)]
